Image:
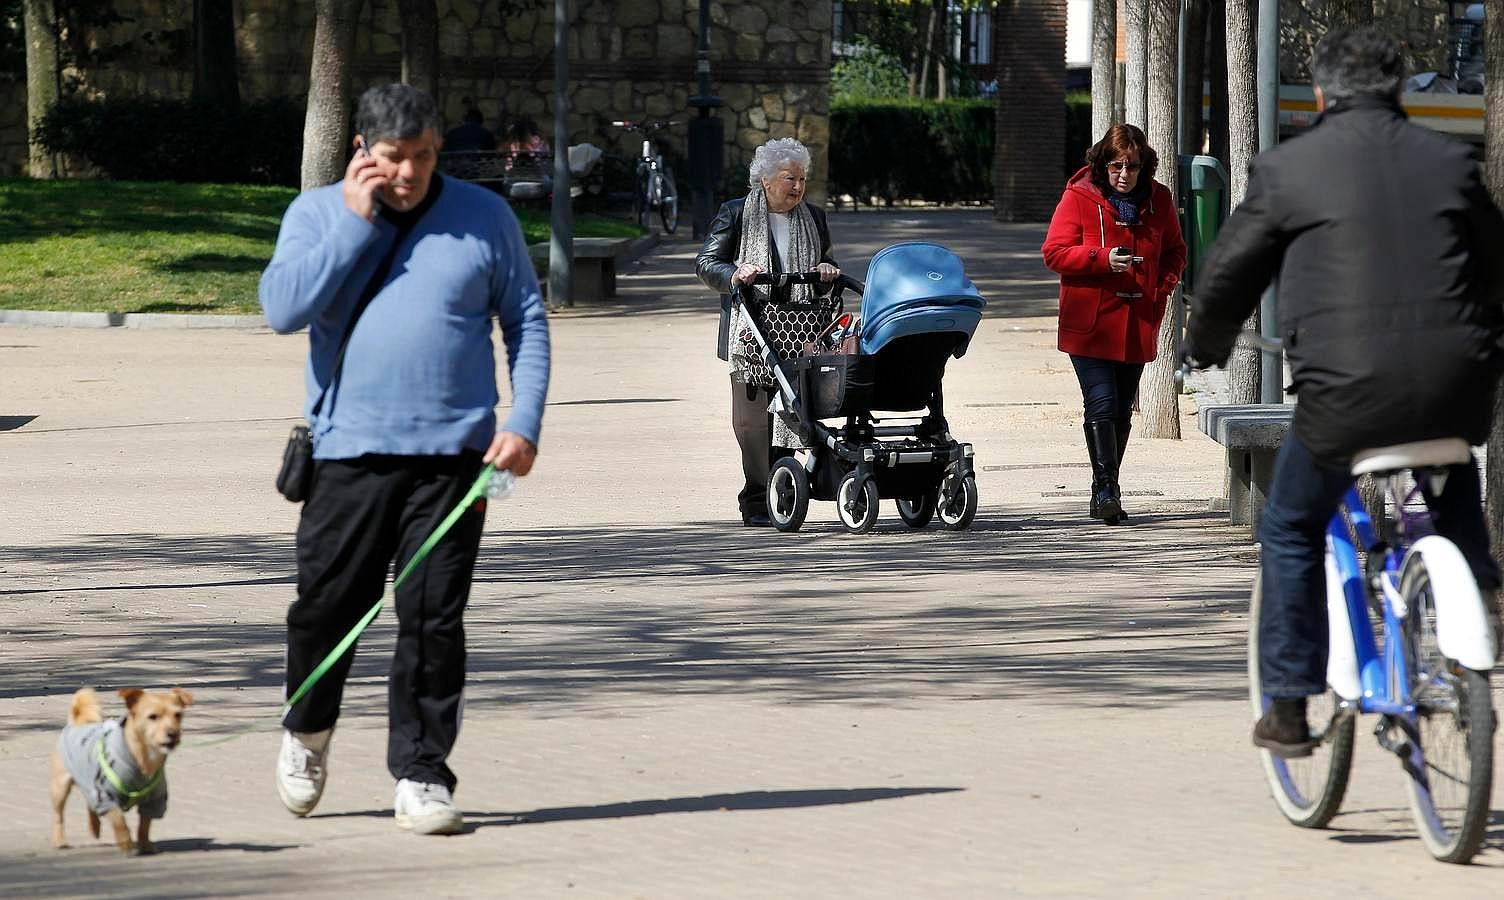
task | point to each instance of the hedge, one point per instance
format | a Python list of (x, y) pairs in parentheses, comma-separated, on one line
[(146, 139), (939, 151)]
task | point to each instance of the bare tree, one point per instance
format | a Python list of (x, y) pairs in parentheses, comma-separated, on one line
[(41, 79), (1243, 143), (1193, 63), (1158, 397), (1136, 94), (1216, 125), (420, 45), (328, 120), (214, 75), (1104, 64), (1493, 161)]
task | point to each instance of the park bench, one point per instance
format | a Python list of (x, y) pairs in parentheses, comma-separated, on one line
[(1251, 435), (520, 175), (594, 266)]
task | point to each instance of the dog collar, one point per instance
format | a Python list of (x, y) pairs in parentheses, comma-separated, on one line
[(129, 797)]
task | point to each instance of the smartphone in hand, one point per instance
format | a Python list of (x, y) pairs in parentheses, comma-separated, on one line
[(360, 141)]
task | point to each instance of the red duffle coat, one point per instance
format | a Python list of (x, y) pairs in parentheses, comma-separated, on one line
[(1106, 314)]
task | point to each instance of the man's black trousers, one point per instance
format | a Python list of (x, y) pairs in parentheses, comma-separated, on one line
[(360, 517)]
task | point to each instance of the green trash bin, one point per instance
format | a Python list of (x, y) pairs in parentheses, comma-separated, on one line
[(1204, 190)]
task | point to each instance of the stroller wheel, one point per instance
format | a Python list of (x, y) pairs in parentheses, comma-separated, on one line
[(858, 510), (917, 512), (788, 494), (958, 499)]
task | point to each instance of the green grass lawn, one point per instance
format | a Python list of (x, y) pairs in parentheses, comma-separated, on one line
[(113, 246)]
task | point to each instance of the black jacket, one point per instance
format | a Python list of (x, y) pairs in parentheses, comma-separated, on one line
[(1389, 256), (717, 260)]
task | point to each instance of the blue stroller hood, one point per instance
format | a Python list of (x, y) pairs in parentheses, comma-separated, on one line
[(918, 288)]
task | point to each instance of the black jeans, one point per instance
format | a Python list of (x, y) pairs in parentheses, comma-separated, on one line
[(1303, 497), (360, 516), (753, 426), (1107, 387)]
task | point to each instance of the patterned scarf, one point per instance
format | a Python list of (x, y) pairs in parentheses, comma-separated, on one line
[(790, 325)]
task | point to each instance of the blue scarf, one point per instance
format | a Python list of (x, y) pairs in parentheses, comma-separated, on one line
[(1126, 206)]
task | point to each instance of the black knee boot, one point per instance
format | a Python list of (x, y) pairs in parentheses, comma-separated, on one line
[(1102, 446), (1125, 427)]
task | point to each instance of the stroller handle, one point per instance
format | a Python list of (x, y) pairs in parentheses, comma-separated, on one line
[(786, 278)]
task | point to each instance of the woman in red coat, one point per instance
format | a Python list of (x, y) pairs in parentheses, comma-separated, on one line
[(1115, 241)]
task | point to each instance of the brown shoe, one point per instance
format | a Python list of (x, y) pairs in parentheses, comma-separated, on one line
[(1283, 730)]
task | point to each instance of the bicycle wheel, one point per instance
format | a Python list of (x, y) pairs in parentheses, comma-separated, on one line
[(668, 203), (642, 199), (1307, 791), (1451, 763)]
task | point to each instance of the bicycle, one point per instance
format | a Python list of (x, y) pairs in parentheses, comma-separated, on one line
[(654, 185), (1426, 675)]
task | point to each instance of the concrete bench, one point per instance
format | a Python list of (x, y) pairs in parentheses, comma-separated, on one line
[(1252, 435), (594, 267)]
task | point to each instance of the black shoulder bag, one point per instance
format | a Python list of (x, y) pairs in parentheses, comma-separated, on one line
[(295, 478)]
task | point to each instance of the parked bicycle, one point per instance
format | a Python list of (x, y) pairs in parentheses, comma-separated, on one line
[(654, 188), (1425, 673)]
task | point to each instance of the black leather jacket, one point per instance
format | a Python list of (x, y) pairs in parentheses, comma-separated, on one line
[(717, 260)]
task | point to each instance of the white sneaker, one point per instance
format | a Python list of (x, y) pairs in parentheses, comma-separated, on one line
[(426, 808), (301, 769)]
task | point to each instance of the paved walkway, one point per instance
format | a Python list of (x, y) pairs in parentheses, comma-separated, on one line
[(662, 703)]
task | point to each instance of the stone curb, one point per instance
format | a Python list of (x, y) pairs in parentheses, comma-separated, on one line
[(49, 319)]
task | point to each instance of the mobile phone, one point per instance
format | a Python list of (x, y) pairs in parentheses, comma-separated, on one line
[(1138, 260), (360, 142)]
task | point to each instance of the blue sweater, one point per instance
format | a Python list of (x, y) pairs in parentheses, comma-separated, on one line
[(419, 376)]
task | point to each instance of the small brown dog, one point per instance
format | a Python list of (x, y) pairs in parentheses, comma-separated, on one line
[(118, 764)]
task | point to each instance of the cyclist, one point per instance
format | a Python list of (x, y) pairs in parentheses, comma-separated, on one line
[(1386, 247)]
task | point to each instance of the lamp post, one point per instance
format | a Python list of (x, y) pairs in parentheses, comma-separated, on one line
[(706, 135), (561, 241)]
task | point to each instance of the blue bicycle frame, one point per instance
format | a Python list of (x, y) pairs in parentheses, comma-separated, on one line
[(1384, 677)]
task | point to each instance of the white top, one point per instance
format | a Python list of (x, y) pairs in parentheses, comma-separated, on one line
[(778, 226)]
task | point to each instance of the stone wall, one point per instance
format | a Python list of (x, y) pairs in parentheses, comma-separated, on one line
[(770, 62)]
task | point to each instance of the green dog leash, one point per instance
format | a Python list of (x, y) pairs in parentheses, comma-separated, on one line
[(477, 492)]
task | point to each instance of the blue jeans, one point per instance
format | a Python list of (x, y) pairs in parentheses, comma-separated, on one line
[(1107, 387), (1303, 498)]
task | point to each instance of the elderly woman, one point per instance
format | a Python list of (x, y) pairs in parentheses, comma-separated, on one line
[(772, 229), (1115, 241)]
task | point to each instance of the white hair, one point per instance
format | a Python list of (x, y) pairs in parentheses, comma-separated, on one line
[(775, 156)]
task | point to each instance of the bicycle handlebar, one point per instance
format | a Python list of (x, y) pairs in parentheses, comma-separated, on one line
[(1245, 338), (658, 125)]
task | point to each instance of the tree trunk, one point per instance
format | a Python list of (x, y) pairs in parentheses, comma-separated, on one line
[(420, 45), (942, 51), (1136, 96), (1493, 156), (1158, 397), (926, 52), (214, 76), (1104, 64), (327, 125), (41, 79), (1216, 132), (1243, 144), (1192, 121)]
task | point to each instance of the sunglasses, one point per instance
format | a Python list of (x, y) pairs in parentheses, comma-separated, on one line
[(1116, 167)]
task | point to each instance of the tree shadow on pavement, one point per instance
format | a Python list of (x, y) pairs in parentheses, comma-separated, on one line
[(738, 802), (570, 619)]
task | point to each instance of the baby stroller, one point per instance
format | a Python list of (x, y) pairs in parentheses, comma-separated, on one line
[(918, 310)]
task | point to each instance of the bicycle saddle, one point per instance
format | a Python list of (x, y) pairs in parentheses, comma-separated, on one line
[(1416, 455)]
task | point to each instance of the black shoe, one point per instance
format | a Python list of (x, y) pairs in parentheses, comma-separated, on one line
[(756, 520), (1283, 730)]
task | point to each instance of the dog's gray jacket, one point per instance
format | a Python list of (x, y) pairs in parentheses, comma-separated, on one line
[(78, 747)]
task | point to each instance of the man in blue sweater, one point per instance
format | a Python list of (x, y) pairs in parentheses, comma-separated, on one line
[(402, 425)]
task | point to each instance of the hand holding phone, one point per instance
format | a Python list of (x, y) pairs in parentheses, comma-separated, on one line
[(364, 180), (1120, 258)]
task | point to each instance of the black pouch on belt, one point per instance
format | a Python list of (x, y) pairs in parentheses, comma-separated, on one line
[(296, 475)]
